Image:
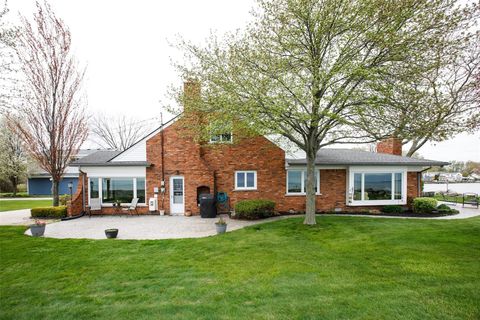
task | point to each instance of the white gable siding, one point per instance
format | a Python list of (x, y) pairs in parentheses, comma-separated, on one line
[(114, 172), (136, 153)]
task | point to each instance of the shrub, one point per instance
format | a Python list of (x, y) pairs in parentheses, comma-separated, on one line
[(443, 206), (444, 209), (254, 209), (63, 199), (392, 209), (49, 212), (424, 205)]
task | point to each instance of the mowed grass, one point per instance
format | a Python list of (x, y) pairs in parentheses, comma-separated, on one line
[(343, 268), (7, 205)]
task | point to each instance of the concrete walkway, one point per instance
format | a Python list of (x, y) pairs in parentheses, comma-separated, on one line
[(143, 227), (15, 218), (464, 213), (163, 227), (467, 212)]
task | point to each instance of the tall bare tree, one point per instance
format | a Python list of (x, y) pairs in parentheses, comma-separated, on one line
[(298, 68), (117, 132), (51, 120)]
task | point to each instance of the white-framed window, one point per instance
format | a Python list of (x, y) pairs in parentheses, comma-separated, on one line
[(221, 138), (297, 182), (245, 180), (377, 187), (113, 189)]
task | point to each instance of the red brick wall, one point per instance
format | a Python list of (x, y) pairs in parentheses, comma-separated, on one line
[(75, 207), (215, 166), (181, 157)]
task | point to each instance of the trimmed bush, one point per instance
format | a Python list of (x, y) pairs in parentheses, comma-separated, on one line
[(443, 206), (444, 209), (254, 209), (49, 212), (424, 205), (392, 209), (63, 199)]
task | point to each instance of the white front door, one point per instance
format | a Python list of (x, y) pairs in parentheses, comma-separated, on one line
[(177, 195)]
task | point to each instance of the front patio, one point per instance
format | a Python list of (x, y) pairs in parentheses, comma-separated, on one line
[(142, 227)]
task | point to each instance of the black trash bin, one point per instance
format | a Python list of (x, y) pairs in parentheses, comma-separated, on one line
[(208, 208)]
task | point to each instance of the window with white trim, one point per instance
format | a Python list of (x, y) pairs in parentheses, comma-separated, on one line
[(245, 180), (377, 188), (111, 190), (221, 138), (297, 182)]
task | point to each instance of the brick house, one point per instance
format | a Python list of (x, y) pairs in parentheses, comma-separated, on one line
[(174, 170)]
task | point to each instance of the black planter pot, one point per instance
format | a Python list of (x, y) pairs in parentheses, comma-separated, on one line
[(111, 233)]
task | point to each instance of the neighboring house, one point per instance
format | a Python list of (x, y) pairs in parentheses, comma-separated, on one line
[(174, 169), (39, 181)]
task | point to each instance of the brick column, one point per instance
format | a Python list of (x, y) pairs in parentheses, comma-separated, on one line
[(75, 206)]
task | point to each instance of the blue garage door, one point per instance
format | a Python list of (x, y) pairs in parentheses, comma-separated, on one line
[(43, 186)]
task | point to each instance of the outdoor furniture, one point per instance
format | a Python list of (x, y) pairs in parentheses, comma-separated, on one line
[(95, 205), (471, 199), (132, 207)]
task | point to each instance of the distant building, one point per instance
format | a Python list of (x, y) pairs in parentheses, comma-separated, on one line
[(39, 181), (443, 177)]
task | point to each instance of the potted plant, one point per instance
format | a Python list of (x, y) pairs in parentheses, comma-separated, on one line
[(117, 203), (38, 228), (111, 233), (221, 226)]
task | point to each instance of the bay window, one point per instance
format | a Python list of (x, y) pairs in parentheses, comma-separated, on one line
[(297, 182), (377, 187), (111, 190)]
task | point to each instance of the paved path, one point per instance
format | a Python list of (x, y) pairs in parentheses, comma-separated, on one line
[(464, 213), (162, 227), (15, 217), (143, 227), (467, 212)]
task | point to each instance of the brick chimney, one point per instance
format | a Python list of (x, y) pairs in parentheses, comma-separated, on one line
[(390, 146)]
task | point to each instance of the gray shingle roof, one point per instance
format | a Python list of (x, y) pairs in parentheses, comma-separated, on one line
[(329, 156), (102, 159)]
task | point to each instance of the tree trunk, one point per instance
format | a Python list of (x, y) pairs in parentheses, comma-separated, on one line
[(55, 184), (310, 205), (14, 182)]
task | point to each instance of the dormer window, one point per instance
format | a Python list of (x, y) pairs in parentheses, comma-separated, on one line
[(221, 138)]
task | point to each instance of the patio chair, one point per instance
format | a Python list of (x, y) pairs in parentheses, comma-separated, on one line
[(132, 207), (95, 205)]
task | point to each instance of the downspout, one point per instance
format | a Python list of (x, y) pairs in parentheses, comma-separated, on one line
[(163, 167), (83, 189)]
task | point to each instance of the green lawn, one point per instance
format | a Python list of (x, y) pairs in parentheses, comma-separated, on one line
[(343, 268), (22, 195), (7, 205)]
